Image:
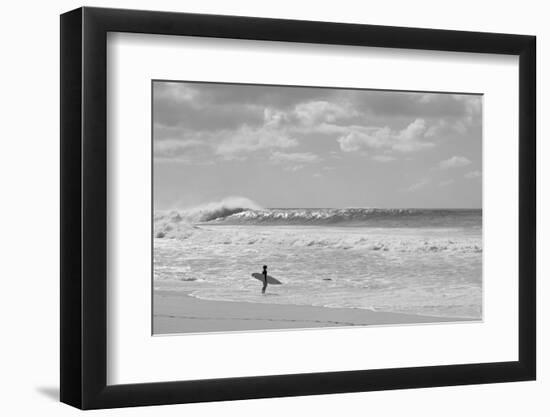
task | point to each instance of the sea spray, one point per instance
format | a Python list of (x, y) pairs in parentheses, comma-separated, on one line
[(180, 223)]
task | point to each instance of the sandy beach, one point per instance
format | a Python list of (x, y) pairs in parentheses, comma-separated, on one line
[(181, 313)]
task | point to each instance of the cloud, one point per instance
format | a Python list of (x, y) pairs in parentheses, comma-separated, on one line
[(418, 185), (177, 150), (473, 174), (315, 112), (171, 114), (366, 138), (169, 146), (438, 129), (467, 115), (409, 139), (246, 140), (238, 121), (175, 91), (297, 157), (430, 106), (472, 103), (227, 143), (274, 118), (444, 127), (293, 161), (454, 162), (311, 117)]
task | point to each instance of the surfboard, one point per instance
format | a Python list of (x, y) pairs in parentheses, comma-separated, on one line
[(270, 279)]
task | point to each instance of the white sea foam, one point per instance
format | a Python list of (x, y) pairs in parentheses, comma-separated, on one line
[(344, 239), (422, 271), (406, 260), (180, 223)]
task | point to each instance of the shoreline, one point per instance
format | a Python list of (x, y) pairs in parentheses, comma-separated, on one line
[(178, 312)]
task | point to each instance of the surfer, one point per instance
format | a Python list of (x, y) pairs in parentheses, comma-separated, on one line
[(264, 273), (265, 279)]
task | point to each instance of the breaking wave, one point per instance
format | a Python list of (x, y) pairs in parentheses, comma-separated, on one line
[(240, 211), (356, 216), (180, 223)]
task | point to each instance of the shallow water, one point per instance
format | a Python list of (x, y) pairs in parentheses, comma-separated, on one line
[(426, 267)]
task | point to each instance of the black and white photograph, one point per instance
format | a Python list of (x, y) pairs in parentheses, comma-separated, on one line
[(294, 207), (275, 209)]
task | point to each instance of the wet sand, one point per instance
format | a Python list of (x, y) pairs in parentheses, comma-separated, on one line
[(177, 312)]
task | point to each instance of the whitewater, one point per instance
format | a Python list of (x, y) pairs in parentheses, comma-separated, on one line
[(416, 261)]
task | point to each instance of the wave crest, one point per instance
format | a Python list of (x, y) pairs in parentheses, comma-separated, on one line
[(356, 216), (243, 211), (180, 223)]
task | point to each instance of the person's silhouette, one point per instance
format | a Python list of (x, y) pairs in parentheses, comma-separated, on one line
[(264, 273)]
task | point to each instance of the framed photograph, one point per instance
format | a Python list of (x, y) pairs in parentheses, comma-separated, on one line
[(257, 208)]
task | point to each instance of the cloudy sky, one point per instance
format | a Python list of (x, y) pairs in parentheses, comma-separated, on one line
[(314, 147)]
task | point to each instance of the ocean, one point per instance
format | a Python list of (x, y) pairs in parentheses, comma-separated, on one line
[(415, 261)]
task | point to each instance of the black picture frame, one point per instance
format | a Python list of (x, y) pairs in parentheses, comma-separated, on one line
[(84, 207)]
